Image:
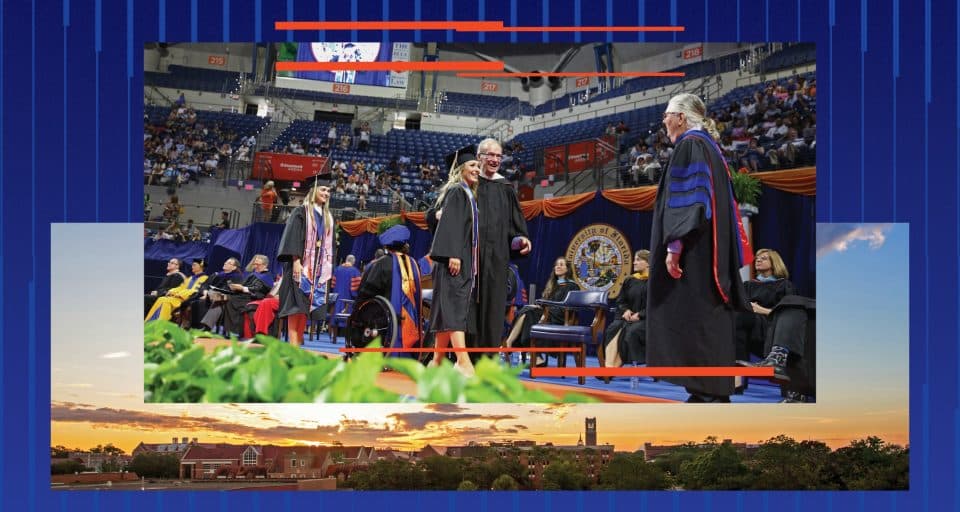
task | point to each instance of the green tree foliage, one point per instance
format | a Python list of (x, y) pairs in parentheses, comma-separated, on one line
[(155, 465), (630, 471), (671, 461), (388, 475), (442, 473), (565, 475), (60, 452), (872, 464), (720, 466), (783, 463), (68, 467), (505, 483), (467, 485)]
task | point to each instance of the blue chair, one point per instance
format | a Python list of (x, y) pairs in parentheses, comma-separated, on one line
[(571, 334)]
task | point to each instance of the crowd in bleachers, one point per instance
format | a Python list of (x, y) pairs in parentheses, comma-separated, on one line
[(181, 144)]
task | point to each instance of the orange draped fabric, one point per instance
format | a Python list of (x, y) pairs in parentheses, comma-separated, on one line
[(637, 199), (796, 181), (531, 209), (561, 206)]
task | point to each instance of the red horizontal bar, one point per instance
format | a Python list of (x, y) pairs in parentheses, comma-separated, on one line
[(591, 29), (391, 66), (659, 371), (388, 25), (451, 349), (577, 74)]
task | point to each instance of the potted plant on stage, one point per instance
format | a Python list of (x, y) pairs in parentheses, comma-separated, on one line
[(746, 190)]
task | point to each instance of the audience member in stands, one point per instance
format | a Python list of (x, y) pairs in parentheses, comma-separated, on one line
[(558, 285), (365, 138), (625, 339), (268, 202), (172, 232), (171, 280), (224, 220), (694, 286), (164, 306), (332, 136), (454, 248), (306, 252), (751, 155), (651, 168), (191, 233)]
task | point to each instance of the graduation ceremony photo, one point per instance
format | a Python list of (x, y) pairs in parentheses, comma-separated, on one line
[(480, 222)]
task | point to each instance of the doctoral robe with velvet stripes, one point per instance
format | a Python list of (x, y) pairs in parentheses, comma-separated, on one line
[(690, 321)]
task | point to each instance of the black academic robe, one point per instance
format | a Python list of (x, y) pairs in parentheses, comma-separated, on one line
[(501, 220), (383, 278), (752, 327), (453, 238), (690, 321), (532, 314), (259, 285), (169, 282), (292, 299), (632, 345)]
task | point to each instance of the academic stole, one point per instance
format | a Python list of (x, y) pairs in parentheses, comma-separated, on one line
[(476, 229), (404, 299), (319, 254)]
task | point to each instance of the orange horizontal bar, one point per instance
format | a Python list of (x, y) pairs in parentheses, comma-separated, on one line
[(451, 349), (388, 25), (577, 74), (660, 371), (391, 66), (589, 29)]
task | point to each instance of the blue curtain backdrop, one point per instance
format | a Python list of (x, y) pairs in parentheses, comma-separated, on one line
[(786, 223)]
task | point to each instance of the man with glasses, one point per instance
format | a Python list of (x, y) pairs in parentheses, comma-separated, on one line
[(171, 280), (502, 230)]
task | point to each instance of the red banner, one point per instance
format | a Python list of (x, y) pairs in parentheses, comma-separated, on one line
[(341, 88), (285, 167), (217, 60), (579, 156)]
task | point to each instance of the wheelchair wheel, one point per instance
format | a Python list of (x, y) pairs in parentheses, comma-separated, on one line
[(370, 319)]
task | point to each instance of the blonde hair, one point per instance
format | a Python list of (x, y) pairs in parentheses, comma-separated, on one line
[(777, 266), (310, 201), (693, 108), (643, 253), (456, 176)]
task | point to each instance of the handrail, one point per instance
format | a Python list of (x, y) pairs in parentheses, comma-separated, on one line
[(157, 206)]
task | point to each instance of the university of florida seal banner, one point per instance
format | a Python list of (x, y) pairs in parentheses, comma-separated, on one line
[(601, 258)]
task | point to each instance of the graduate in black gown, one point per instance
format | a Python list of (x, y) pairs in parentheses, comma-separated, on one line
[(200, 305), (698, 247), (454, 252), (255, 286), (503, 236), (396, 277), (306, 251), (629, 327)]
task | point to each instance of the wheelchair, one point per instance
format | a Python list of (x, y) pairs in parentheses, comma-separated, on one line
[(375, 318)]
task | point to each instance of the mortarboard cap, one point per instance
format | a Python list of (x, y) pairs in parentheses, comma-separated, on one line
[(199, 261), (461, 156), (395, 236)]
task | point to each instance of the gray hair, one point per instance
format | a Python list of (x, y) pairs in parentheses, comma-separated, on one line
[(485, 144), (693, 108), (351, 259)]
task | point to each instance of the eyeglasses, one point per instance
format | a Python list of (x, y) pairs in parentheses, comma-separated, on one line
[(665, 114), (492, 155)]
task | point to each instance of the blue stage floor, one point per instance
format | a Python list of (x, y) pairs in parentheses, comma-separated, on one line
[(759, 391)]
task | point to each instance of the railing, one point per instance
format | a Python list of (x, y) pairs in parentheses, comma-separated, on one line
[(202, 215)]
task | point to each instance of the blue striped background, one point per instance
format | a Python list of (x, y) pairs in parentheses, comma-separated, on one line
[(70, 97)]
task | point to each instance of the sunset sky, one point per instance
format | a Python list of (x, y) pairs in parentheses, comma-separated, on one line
[(97, 375)]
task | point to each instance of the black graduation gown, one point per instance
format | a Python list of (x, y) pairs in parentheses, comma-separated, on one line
[(292, 299), (752, 327), (259, 286), (690, 321), (632, 345), (198, 307), (501, 220), (453, 238)]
